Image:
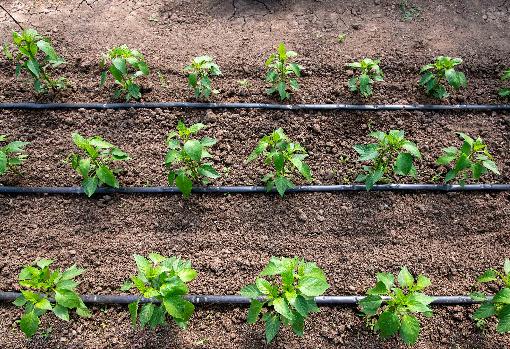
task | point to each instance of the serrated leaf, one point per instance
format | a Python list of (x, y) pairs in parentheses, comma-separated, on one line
[(29, 323), (405, 278), (254, 311), (61, 312), (388, 324), (409, 329), (251, 291), (312, 286), (272, 327)]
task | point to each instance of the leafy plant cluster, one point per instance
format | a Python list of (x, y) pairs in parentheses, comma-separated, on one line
[(163, 279), (396, 315), (284, 293), (285, 156), (125, 65), (394, 155), (187, 158), (282, 73), (35, 54), (369, 73), (94, 165), (441, 72), (199, 74), (12, 154), (499, 305), (190, 155), (43, 290), (472, 158)]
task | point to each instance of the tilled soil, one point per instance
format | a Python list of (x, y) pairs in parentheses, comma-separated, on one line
[(450, 237)]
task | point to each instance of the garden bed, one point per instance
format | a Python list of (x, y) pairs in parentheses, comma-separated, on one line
[(450, 237)]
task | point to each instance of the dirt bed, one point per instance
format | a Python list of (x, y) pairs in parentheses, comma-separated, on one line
[(450, 237)]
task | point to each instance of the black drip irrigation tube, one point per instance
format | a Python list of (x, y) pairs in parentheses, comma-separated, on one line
[(326, 301), (260, 189), (193, 105)]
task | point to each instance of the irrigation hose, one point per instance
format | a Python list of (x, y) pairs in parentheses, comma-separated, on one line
[(240, 300), (260, 189), (192, 105)]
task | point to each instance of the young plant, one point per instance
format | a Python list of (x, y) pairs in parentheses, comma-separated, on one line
[(392, 154), (190, 155), (396, 314), (505, 91), (199, 74), (164, 279), (280, 72), (11, 154), (442, 71), (499, 305), (284, 155), (125, 65), (43, 290), (369, 73), (288, 296), (472, 160), (36, 55), (94, 167)]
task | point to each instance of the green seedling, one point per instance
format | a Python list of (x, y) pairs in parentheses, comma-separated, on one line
[(94, 167), (163, 279), (408, 10), (341, 38), (441, 72), (505, 91), (369, 73), (189, 154), (395, 315), (12, 154), (284, 155), (284, 293), (497, 306), (472, 160), (199, 74), (125, 66), (393, 154), (36, 55), (43, 290), (280, 72)]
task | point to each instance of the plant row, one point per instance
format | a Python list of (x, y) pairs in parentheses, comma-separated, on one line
[(392, 155), (35, 55), (283, 294)]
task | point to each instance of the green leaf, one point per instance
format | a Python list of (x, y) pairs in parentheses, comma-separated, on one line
[(503, 296), (281, 306), (43, 304), (68, 298), (504, 320), (485, 310), (90, 185), (506, 266), (488, 276), (388, 324), (370, 304), (491, 166), (184, 184), (61, 312), (365, 86), (409, 329), (133, 311), (405, 278), (106, 176), (380, 288), (72, 272), (43, 263), (208, 171), (272, 327), (29, 323), (3, 162), (254, 311), (264, 286), (302, 167), (194, 149), (404, 163), (120, 65), (282, 184), (387, 278), (251, 291), (312, 286), (422, 282), (146, 314), (20, 301), (178, 308)]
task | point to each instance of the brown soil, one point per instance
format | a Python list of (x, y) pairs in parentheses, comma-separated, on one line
[(450, 237)]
